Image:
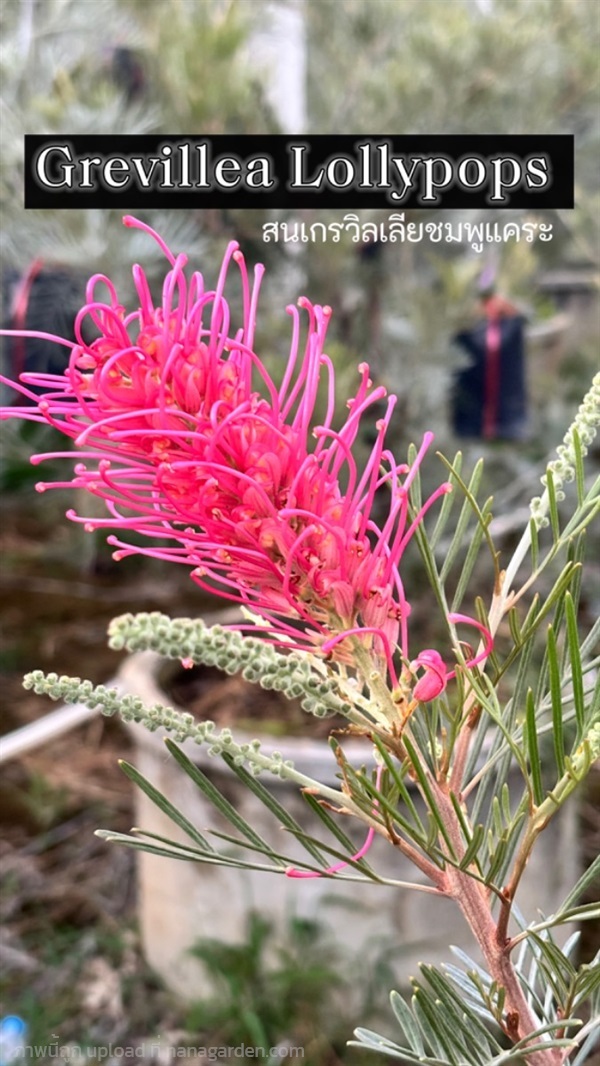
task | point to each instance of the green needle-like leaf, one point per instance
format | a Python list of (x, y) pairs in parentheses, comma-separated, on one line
[(576, 668), (472, 853), (556, 697), (475, 1037), (515, 628), (374, 1042), (432, 806), (268, 800), (448, 501), (212, 793), (472, 555), (434, 1026), (398, 780), (587, 879), (329, 822), (535, 545), (469, 508), (282, 860), (585, 912), (579, 468), (533, 753), (173, 852), (165, 805), (553, 506), (379, 805)]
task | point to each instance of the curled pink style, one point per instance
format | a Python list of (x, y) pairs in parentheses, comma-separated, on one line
[(435, 675)]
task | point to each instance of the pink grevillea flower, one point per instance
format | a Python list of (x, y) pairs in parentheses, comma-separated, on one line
[(179, 428), (435, 674)]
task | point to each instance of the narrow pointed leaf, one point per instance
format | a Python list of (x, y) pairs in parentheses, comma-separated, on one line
[(505, 803), (550, 1028), (329, 822), (468, 508), (534, 619), (212, 793), (359, 785), (208, 859), (587, 982), (400, 784), (448, 501), (497, 860), (587, 879), (361, 866), (497, 817), (552, 506), (475, 1035), (375, 1042), (472, 853), (164, 805), (533, 750), (264, 849), (135, 842), (471, 557), (407, 1022), (433, 1030), (428, 794), (585, 912), (268, 800), (474, 838), (579, 468), (147, 835), (589, 642), (556, 698), (535, 545), (515, 629), (576, 669)]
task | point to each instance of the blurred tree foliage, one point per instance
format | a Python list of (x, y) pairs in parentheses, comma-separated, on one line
[(201, 72), (470, 66), (106, 67), (516, 66), (373, 66)]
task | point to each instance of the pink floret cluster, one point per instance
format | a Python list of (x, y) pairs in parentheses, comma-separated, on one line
[(180, 429)]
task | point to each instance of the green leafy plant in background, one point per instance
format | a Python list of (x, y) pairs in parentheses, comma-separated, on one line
[(298, 996), (180, 429)]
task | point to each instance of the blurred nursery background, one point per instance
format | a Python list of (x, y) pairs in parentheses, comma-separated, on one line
[(87, 953)]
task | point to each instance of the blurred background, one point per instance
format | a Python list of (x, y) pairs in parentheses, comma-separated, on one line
[(73, 964)]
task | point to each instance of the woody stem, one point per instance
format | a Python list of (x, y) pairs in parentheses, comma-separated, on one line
[(518, 1020)]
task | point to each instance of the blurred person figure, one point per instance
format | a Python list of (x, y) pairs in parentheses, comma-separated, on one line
[(489, 395)]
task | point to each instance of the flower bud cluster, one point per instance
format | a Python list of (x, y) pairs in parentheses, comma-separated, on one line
[(183, 726), (562, 469), (258, 662), (593, 741)]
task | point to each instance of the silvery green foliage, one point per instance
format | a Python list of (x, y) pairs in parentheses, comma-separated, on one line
[(453, 1016)]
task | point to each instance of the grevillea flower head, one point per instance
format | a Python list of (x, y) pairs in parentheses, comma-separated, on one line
[(180, 429)]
